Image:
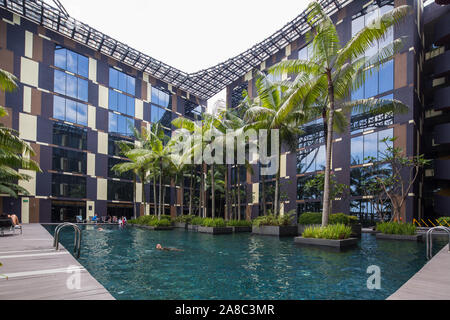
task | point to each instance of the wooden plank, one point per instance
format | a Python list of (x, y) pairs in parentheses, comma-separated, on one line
[(38, 273), (430, 283)]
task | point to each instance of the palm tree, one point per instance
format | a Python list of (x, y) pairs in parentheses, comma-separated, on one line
[(273, 109), (335, 70), (14, 152)]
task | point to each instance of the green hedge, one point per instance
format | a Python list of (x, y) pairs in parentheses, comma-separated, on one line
[(210, 222), (271, 220), (396, 228), (309, 218), (152, 221), (239, 223), (333, 232), (184, 218), (197, 221)]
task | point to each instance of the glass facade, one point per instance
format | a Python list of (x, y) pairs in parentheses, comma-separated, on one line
[(69, 161), (68, 186), (71, 61), (70, 110), (70, 85), (69, 136), (368, 147), (121, 81)]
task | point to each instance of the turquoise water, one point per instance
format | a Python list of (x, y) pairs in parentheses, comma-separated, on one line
[(239, 266)]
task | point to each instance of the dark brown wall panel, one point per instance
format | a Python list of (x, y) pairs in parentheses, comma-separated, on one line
[(7, 60), (400, 73), (36, 98), (37, 48)]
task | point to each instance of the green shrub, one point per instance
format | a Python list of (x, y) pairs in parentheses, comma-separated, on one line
[(142, 220), (166, 217), (239, 223), (160, 223), (210, 222), (342, 218), (310, 218), (184, 218), (271, 220), (396, 228), (333, 231), (444, 221), (197, 221)]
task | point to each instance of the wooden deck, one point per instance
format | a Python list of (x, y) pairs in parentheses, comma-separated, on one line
[(36, 271), (432, 282)]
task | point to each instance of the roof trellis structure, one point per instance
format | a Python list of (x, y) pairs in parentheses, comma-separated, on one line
[(203, 84)]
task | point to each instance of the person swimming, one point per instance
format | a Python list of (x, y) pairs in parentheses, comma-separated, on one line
[(160, 247)]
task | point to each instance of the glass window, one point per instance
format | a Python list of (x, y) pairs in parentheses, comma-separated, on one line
[(131, 86), (68, 186), (383, 146), (130, 106), (113, 100), (60, 82), (113, 78), (156, 114), (71, 61), (83, 66), (386, 76), (370, 146), (357, 150), (112, 122), (71, 111), (71, 86), (371, 83), (82, 89), (122, 82), (82, 114), (357, 25), (69, 136), (59, 108), (122, 103), (60, 57)]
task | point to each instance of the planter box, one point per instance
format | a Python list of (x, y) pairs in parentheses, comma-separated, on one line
[(278, 231), (192, 227), (356, 230), (181, 225), (241, 229), (383, 236), (215, 230), (337, 244)]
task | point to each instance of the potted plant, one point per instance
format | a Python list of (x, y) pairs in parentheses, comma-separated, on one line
[(337, 236), (314, 219), (214, 226), (280, 226), (240, 225), (397, 231), (195, 223), (183, 221)]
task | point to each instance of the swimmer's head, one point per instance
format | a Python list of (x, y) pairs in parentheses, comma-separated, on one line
[(158, 246)]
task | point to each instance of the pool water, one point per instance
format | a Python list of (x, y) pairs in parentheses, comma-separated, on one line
[(239, 266)]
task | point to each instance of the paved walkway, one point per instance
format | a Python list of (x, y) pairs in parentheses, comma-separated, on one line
[(432, 282), (36, 271)]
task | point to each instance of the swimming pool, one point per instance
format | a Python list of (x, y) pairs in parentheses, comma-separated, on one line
[(239, 266)]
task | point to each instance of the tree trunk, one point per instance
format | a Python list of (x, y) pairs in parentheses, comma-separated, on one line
[(191, 194), (239, 192), (163, 210), (182, 193), (160, 190), (227, 194), (154, 194), (329, 145), (276, 200), (134, 194), (263, 195), (213, 196)]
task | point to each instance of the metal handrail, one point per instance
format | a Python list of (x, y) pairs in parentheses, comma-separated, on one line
[(429, 240), (77, 239)]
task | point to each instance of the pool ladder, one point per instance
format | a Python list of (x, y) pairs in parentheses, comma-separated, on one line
[(77, 239), (430, 240)]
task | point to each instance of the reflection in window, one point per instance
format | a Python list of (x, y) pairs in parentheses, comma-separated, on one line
[(71, 61), (71, 86), (69, 136), (120, 124), (370, 145), (121, 81), (69, 161), (113, 149), (69, 110), (367, 121), (113, 174), (120, 191), (68, 186), (121, 103), (315, 206), (313, 134), (302, 192), (160, 97), (311, 160)]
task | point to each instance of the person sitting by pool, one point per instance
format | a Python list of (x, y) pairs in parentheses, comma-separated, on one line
[(94, 218), (160, 247), (14, 219)]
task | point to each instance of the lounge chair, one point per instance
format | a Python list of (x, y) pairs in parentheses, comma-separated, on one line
[(79, 219), (6, 224)]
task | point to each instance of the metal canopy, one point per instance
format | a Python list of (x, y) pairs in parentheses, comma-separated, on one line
[(203, 84)]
